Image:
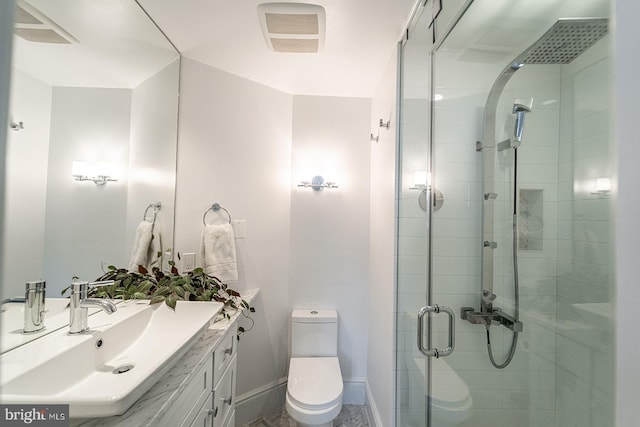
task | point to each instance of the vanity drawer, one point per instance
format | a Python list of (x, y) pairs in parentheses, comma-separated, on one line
[(231, 421), (224, 395), (223, 354), (196, 393), (203, 417)]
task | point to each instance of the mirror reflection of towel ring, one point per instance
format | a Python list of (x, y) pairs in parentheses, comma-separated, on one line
[(215, 208)]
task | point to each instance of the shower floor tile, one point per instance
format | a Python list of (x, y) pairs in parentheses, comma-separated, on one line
[(350, 416)]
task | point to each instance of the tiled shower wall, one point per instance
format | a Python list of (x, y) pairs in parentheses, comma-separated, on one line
[(524, 392), (584, 384)]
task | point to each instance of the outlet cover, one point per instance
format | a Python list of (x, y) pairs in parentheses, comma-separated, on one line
[(239, 228), (188, 261)]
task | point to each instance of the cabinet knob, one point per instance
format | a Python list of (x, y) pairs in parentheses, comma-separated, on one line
[(213, 412), (228, 400), (228, 350)]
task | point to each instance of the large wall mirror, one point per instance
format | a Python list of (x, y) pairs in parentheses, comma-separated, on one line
[(95, 85)]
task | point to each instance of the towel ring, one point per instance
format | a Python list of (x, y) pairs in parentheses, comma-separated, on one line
[(215, 208), (156, 207)]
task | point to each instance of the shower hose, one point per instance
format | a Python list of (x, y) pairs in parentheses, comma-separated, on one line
[(516, 285)]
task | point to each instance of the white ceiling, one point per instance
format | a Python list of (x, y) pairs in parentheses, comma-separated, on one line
[(360, 39), (118, 46)]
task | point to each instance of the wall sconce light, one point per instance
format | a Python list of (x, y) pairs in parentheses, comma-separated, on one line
[(317, 183), (603, 188), (422, 182), (99, 173)]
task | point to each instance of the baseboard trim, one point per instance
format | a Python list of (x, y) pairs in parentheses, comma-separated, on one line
[(257, 402), (252, 394), (372, 409), (354, 391)]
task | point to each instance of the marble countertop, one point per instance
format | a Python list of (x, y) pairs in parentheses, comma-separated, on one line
[(150, 409)]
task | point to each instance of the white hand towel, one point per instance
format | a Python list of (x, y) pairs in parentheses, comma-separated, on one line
[(155, 247), (218, 252), (141, 246)]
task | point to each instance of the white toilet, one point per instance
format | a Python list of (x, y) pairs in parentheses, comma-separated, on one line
[(314, 387)]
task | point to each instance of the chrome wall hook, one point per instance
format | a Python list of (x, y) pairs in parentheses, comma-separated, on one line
[(382, 124), (16, 126)]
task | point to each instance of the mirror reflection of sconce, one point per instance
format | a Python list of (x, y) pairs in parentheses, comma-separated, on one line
[(422, 182), (382, 124), (603, 188), (99, 173), (317, 183)]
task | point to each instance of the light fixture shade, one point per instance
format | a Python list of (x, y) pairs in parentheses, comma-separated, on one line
[(79, 168), (420, 178), (603, 184), (293, 27)]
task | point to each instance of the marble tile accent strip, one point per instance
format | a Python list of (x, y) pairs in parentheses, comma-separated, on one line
[(350, 416)]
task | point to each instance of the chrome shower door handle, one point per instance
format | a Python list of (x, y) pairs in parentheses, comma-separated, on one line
[(434, 352)]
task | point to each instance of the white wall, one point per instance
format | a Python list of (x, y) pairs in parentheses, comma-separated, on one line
[(330, 228), (152, 153), (381, 290), (27, 162), (88, 124), (627, 92), (246, 146), (235, 149)]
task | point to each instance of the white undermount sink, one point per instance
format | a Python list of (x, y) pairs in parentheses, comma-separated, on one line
[(104, 371)]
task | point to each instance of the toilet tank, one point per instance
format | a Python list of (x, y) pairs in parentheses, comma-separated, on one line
[(314, 333)]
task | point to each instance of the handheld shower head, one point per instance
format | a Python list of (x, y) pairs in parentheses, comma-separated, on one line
[(521, 106)]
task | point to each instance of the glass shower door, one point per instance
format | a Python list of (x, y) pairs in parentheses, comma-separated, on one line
[(537, 170), (412, 367), (561, 371)]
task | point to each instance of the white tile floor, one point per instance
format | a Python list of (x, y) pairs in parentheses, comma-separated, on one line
[(350, 416)]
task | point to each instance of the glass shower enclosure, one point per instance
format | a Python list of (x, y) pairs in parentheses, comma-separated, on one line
[(504, 242)]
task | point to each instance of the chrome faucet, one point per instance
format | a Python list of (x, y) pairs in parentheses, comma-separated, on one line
[(34, 296), (79, 304)]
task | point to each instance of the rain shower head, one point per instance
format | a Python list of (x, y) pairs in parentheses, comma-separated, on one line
[(565, 41)]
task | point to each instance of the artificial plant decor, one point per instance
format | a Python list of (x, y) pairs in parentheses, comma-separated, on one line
[(168, 288)]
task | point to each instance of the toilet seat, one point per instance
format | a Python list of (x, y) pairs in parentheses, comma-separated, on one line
[(315, 383)]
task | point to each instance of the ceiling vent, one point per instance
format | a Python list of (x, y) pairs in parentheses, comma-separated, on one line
[(32, 25), (293, 27)]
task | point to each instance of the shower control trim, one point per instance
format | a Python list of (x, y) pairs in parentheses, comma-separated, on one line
[(490, 317)]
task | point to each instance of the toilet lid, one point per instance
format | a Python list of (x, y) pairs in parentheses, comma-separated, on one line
[(315, 382)]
